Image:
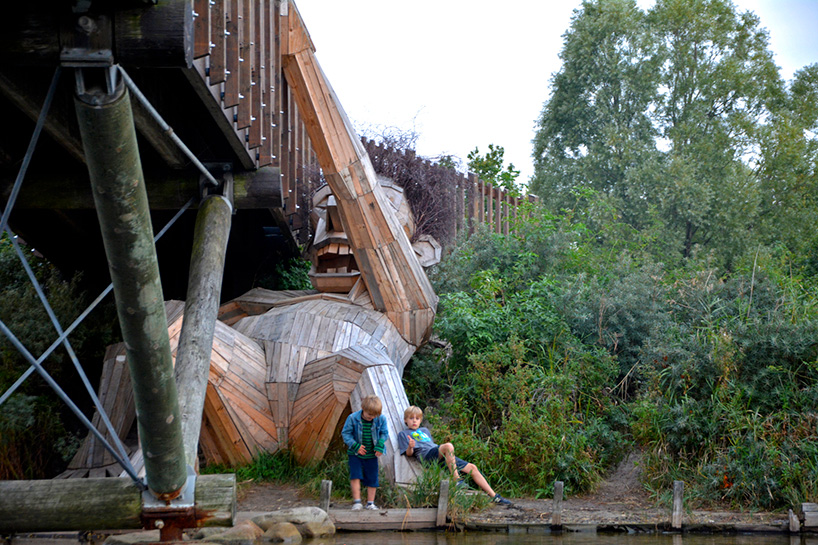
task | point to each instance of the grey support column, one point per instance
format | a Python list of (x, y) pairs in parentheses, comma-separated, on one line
[(109, 141)]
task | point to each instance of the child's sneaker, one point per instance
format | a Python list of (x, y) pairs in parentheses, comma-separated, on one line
[(461, 485), (357, 506), (371, 507), (500, 500)]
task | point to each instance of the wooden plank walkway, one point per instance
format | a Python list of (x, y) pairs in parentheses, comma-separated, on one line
[(387, 519), (384, 519)]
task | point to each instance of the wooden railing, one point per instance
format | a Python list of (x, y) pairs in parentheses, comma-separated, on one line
[(237, 55), (237, 65)]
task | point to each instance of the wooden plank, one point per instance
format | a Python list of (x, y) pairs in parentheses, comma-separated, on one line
[(246, 60), (217, 58), (257, 79), (442, 503), (227, 433), (384, 519), (201, 28), (233, 67), (276, 83)]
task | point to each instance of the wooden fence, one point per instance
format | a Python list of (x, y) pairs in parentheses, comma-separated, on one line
[(447, 203)]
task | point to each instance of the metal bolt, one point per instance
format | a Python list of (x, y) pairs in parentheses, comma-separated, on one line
[(159, 524)]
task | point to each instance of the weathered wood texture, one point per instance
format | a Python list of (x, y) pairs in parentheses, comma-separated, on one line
[(201, 310), (385, 519), (125, 224), (236, 72), (166, 191), (393, 276), (101, 504)]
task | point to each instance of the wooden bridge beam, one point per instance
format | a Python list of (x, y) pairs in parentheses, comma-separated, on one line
[(167, 190)]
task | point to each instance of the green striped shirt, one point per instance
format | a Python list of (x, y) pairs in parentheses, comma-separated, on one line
[(366, 439)]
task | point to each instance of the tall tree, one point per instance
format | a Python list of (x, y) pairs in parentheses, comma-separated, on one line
[(596, 126), (662, 112), (716, 81), (788, 168)]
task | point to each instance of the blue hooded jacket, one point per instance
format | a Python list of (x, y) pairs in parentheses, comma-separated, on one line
[(352, 432)]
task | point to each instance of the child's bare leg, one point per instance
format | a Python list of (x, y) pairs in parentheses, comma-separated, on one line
[(370, 493), (478, 479), (355, 485), (446, 451)]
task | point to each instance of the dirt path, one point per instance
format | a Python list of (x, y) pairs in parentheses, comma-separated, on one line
[(619, 500)]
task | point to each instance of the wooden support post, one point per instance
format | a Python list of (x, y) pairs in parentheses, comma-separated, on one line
[(461, 203), (201, 311), (556, 512), (101, 504), (678, 505), (326, 495), (109, 138), (443, 503)]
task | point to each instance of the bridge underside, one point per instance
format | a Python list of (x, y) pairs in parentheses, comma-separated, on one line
[(55, 214)]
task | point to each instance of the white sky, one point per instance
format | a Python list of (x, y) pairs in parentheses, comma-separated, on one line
[(469, 73)]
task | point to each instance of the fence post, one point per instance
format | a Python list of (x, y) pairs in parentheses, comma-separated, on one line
[(460, 201), (326, 494), (556, 512), (676, 515), (473, 209)]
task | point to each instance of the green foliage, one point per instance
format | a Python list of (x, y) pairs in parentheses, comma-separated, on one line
[(678, 117), (37, 437), (490, 168), (292, 275)]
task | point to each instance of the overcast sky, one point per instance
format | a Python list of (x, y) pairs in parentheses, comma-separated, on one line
[(469, 73)]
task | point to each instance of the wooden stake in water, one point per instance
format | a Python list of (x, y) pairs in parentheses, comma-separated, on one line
[(676, 515), (442, 503), (556, 513), (326, 493)]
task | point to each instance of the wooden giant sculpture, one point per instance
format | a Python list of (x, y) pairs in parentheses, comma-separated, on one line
[(286, 366)]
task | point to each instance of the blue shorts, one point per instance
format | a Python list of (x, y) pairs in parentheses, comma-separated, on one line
[(365, 469), (434, 455)]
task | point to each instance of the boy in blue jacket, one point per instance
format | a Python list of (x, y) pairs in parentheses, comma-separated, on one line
[(365, 433)]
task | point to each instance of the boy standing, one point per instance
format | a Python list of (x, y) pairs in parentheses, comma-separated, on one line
[(417, 441), (365, 433)]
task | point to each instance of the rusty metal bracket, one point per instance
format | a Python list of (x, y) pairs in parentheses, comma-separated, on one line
[(173, 516)]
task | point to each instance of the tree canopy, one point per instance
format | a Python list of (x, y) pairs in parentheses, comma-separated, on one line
[(678, 117)]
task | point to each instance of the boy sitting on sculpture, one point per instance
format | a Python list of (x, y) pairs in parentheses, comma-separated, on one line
[(417, 441)]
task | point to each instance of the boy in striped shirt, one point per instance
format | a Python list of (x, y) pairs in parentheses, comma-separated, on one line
[(365, 433)]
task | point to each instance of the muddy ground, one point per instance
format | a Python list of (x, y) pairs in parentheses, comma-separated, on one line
[(619, 500)]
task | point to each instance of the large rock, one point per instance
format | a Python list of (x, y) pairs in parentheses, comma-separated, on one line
[(283, 532), (244, 533), (317, 529), (295, 515)]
